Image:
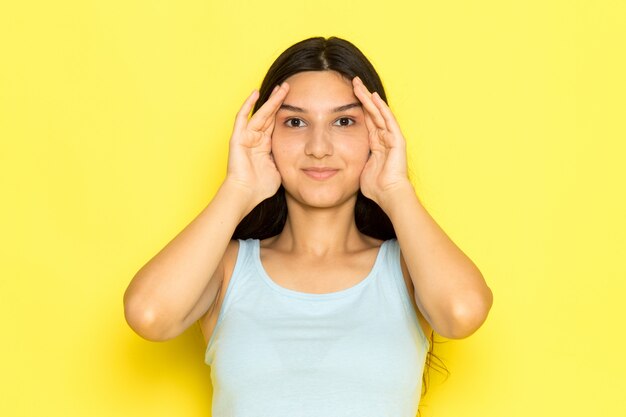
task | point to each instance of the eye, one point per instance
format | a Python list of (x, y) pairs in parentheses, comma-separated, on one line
[(344, 121), (295, 122)]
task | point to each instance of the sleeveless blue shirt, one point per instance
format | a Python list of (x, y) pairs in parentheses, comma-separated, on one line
[(276, 352)]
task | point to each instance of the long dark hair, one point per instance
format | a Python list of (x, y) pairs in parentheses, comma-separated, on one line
[(268, 218)]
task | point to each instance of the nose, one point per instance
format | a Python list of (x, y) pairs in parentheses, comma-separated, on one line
[(319, 143)]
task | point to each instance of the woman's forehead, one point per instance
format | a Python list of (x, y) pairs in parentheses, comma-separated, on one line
[(320, 91)]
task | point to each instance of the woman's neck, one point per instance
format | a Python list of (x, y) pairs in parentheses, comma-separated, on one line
[(319, 231)]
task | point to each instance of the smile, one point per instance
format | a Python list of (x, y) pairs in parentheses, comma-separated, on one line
[(320, 173)]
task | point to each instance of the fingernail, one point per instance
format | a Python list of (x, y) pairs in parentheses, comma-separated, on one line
[(275, 88)]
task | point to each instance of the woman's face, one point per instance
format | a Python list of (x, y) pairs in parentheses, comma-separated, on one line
[(320, 140)]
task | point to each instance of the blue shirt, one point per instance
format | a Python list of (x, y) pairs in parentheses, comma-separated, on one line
[(277, 352)]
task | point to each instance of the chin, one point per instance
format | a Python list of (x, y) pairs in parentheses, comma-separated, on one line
[(323, 199)]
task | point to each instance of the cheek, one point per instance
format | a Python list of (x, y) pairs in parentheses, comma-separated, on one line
[(282, 153), (361, 142), (357, 149), (363, 146), (364, 155)]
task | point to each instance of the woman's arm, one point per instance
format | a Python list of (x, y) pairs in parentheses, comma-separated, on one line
[(175, 287), (178, 285), (449, 289)]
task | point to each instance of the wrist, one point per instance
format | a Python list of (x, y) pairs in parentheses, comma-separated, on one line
[(396, 197), (238, 196)]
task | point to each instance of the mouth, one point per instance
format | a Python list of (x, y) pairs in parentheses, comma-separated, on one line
[(320, 173)]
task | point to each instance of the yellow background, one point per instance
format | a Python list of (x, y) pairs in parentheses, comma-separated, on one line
[(114, 123)]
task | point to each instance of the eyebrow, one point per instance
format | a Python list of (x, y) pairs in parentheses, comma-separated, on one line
[(335, 110)]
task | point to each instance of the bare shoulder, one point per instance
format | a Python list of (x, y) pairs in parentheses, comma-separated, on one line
[(209, 319), (411, 289)]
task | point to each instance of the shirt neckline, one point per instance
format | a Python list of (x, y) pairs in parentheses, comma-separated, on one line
[(313, 296)]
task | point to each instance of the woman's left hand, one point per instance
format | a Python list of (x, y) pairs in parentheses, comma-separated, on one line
[(386, 168)]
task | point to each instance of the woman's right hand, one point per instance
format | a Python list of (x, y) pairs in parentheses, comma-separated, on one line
[(251, 167)]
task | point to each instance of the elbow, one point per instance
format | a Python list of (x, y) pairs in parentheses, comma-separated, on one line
[(145, 320), (467, 315)]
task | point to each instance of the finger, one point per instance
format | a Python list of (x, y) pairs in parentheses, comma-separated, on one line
[(242, 115), (276, 87), (365, 97), (269, 129), (390, 119), (369, 122), (269, 121), (269, 108)]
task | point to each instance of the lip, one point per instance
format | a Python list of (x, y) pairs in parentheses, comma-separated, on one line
[(320, 173)]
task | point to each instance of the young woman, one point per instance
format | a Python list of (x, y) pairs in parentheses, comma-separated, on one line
[(315, 273)]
